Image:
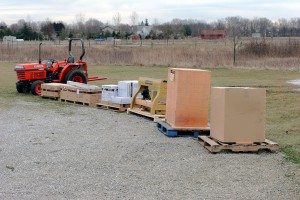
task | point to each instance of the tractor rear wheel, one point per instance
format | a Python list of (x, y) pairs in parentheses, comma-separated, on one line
[(36, 87), (76, 76), (20, 87)]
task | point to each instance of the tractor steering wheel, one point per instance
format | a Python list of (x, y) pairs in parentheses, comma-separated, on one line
[(53, 60), (49, 62)]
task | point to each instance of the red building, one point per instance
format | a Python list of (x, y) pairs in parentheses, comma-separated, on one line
[(213, 34), (135, 37)]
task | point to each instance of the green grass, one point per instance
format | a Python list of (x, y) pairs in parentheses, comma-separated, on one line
[(283, 103), (291, 154)]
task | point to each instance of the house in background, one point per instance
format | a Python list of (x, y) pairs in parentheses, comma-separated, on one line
[(213, 34), (9, 39), (256, 35), (142, 30), (109, 29)]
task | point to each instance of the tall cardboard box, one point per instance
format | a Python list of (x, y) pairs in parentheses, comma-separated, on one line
[(238, 114), (188, 98)]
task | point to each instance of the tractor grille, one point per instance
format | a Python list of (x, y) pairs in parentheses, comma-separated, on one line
[(21, 76), (37, 75)]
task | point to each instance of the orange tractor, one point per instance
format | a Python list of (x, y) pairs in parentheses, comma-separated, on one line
[(31, 76)]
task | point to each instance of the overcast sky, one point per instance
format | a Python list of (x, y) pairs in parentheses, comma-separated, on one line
[(162, 10)]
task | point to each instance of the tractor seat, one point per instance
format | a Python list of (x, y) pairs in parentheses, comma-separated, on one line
[(71, 59)]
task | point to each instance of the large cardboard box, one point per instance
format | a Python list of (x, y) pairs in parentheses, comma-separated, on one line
[(238, 114), (188, 98)]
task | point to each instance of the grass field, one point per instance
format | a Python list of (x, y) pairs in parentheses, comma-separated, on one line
[(283, 102)]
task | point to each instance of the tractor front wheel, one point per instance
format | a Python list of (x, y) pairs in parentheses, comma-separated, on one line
[(20, 87), (76, 76), (36, 87)]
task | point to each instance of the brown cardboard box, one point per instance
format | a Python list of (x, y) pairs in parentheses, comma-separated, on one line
[(238, 114), (188, 98)]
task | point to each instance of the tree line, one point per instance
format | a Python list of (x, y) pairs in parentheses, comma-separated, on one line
[(176, 28)]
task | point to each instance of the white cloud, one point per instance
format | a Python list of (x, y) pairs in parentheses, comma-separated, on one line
[(163, 10)]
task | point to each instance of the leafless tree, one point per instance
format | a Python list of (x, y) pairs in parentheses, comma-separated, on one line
[(80, 20), (233, 25), (93, 27), (117, 20), (47, 28), (2, 25), (133, 18)]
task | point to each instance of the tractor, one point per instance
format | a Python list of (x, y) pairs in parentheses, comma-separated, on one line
[(31, 76)]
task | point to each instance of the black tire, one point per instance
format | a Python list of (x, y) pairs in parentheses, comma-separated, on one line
[(76, 75), (20, 87), (36, 87)]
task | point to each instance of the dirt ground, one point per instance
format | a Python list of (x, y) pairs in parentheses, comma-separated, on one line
[(56, 150)]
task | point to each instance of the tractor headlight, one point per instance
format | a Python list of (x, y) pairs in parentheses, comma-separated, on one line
[(19, 67)]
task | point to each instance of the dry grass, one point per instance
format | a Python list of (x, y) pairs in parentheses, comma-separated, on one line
[(180, 53)]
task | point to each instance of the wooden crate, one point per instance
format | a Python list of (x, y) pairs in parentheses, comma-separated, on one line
[(51, 90), (80, 96)]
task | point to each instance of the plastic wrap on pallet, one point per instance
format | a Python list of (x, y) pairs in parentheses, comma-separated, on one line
[(52, 86), (84, 86), (121, 100)]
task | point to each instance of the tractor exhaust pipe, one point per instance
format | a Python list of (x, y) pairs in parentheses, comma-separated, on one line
[(40, 61)]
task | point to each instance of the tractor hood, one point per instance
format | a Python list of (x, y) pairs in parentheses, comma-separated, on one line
[(31, 66)]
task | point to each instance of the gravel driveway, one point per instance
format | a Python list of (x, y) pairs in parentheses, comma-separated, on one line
[(55, 150)]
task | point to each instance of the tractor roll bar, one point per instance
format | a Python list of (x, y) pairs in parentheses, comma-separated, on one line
[(82, 47)]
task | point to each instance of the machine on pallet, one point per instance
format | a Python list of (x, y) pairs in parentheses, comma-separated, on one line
[(150, 98)]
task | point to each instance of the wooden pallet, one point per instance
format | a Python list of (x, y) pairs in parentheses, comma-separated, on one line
[(156, 118), (113, 106), (50, 97), (78, 102), (168, 130), (216, 146)]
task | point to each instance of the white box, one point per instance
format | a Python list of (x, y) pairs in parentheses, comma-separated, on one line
[(121, 100), (124, 89), (127, 88), (135, 87), (108, 91)]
